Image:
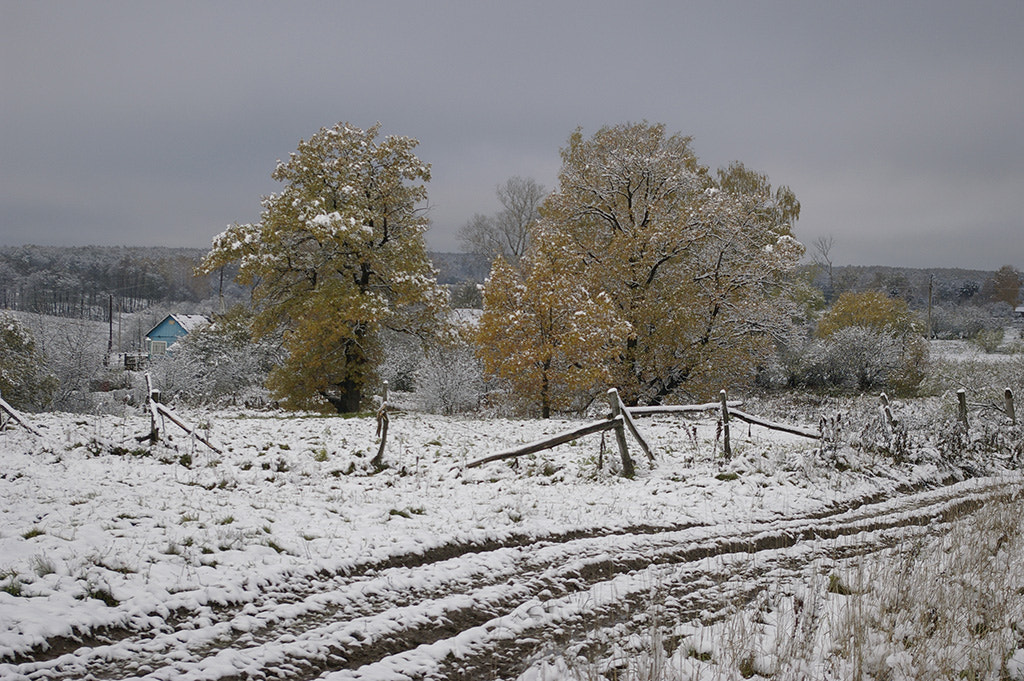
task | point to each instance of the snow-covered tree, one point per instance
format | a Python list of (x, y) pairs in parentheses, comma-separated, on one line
[(547, 334), (697, 266), (24, 382), (871, 309), (73, 352), (450, 379), (337, 257), (1004, 286)]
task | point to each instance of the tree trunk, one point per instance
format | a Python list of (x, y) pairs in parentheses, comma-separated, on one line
[(347, 399), (545, 395), (347, 395)]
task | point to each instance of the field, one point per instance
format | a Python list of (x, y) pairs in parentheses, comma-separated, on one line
[(288, 556)]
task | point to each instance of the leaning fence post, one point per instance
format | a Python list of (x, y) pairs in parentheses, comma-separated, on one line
[(152, 397), (961, 397), (1008, 401), (628, 470), (726, 447), (887, 410), (382, 428)]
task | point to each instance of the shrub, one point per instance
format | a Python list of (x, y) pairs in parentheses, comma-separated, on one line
[(859, 358)]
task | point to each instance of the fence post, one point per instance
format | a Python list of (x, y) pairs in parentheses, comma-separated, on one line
[(726, 447), (887, 411), (615, 403), (152, 397), (961, 397), (382, 428), (1008, 400)]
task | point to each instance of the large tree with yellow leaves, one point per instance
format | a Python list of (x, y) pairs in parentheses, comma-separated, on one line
[(696, 265), (337, 256)]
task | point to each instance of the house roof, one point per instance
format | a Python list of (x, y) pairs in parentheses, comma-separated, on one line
[(188, 322), (191, 322)]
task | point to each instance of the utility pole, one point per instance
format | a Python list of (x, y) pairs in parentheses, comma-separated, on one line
[(931, 286)]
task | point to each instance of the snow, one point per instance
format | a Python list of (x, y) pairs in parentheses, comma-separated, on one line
[(99, 532)]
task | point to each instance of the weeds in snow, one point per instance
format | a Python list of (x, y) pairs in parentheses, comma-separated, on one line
[(948, 607)]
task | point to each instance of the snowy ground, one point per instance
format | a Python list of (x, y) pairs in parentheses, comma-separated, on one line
[(123, 560)]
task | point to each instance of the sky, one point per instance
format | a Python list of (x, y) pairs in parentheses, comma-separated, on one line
[(898, 125)]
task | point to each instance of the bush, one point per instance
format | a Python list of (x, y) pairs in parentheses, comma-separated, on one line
[(989, 340), (962, 322), (450, 379), (860, 358), (217, 364)]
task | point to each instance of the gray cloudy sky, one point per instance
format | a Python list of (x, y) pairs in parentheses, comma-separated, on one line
[(899, 125)]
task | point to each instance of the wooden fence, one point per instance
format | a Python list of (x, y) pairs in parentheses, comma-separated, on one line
[(622, 419)]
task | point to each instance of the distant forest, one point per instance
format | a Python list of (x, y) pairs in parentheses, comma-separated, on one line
[(86, 282)]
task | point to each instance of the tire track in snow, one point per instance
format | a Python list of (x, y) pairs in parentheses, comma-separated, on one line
[(484, 613)]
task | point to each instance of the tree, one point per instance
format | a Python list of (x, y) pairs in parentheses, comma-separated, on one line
[(871, 309), (1004, 286), (24, 383), (875, 340), (507, 233), (823, 259), (337, 257), (698, 267), (547, 334)]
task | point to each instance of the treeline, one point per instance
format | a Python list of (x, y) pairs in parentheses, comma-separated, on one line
[(85, 282), (942, 286)]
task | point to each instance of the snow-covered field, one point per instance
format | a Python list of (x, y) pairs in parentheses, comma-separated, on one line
[(289, 556)]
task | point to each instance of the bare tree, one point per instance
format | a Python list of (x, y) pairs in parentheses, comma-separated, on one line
[(822, 258), (507, 232)]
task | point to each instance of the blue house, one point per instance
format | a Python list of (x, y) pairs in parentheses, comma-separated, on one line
[(174, 326)]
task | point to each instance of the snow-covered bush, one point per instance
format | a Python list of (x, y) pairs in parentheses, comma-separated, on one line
[(964, 321), (217, 364), (989, 340), (857, 358), (402, 357), (450, 379)]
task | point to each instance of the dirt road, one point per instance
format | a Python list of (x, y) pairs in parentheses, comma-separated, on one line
[(492, 611)]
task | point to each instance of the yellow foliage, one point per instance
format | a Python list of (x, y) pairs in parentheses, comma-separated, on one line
[(546, 334), (870, 309), (698, 268)]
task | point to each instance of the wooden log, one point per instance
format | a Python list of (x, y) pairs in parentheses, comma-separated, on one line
[(184, 426), (1008, 402), (152, 399), (382, 428), (887, 410), (548, 443), (16, 417), (783, 427), (628, 470), (681, 408), (726, 446)]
